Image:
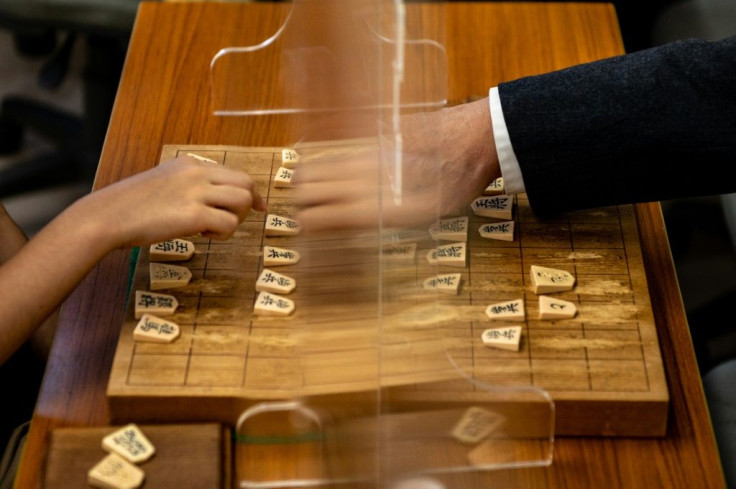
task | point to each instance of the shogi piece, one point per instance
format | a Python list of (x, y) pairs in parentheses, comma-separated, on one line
[(153, 329), (453, 229), (447, 284), (399, 253), (476, 424), (130, 443), (507, 310), (270, 281), (273, 256), (495, 187), (289, 158), (153, 303), (453, 255), (550, 308), (503, 231), (282, 179), (268, 304), (114, 472), (497, 206), (547, 280), (503, 338), (165, 276), (203, 159), (281, 226), (171, 250)]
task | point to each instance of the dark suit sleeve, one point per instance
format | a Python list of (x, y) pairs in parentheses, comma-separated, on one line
[(651, 125)]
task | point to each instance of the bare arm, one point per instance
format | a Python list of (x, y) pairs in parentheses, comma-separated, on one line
[(178, 198), (13, 238)]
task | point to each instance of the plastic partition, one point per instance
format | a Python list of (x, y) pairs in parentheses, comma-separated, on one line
[(388, 388)]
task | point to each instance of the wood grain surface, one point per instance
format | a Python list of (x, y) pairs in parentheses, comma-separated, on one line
[(163, 98), (603, 368), (191, 456)]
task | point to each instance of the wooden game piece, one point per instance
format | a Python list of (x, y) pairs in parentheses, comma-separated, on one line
[(453, 229), (453, 255), (130, 443), (476, 424), (281, 226), (270, 281), (114, 472), (507, 310), (171, 250), (273, 256), (495, 187), (399, 253), (503, 231), (165, 276), (497, 206), (507, 338), (203, 159), (550, 308), (268, 304), (447, 283), (283, 176), (547, 280), (289, 158), (155, 330), (153, 303)]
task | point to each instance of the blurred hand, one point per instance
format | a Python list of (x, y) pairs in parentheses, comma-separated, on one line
[(448, 159)]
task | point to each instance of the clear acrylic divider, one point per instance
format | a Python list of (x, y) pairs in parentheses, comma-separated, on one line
[(331, 55), (388, 387)]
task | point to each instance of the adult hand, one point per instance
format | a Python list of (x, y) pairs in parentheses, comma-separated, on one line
[(448, 159)]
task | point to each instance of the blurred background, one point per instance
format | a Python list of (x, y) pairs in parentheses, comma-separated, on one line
[(60, 62)]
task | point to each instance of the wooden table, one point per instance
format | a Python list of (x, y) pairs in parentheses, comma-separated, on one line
[(163, 98)]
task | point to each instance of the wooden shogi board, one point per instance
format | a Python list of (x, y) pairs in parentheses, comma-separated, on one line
[(602, 369)]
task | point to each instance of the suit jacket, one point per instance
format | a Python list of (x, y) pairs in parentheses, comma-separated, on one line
[(651, 125)]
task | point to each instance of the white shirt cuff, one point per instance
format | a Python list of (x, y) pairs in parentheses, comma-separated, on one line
[(510, 170)]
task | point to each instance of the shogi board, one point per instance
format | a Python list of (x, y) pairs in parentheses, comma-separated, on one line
[(602, 369)]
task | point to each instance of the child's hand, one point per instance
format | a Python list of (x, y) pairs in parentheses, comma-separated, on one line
[(178, 198), (181, 197)]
